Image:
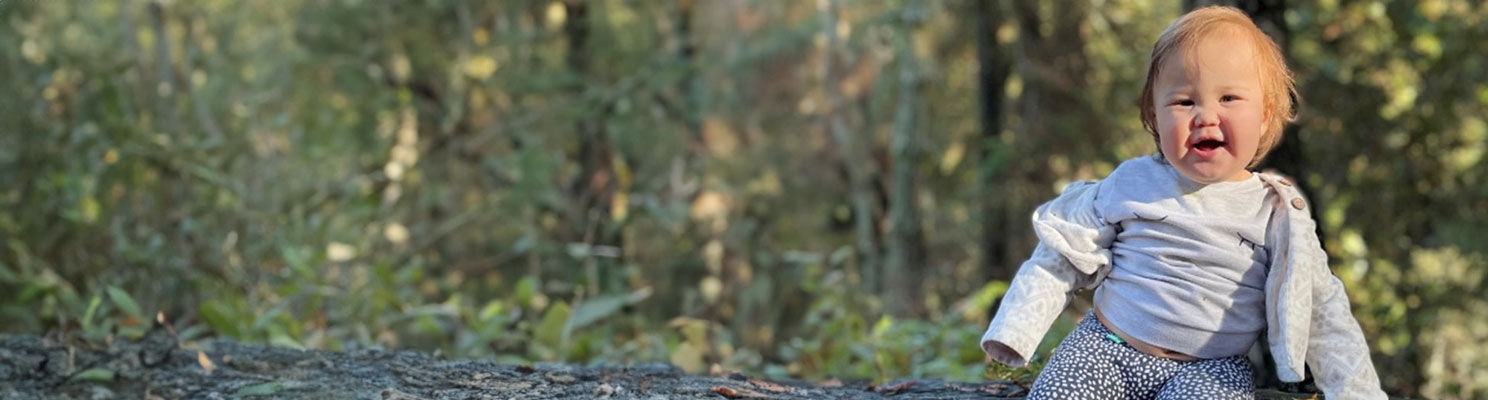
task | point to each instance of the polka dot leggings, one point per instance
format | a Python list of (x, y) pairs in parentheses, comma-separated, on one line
[(1089, 365)]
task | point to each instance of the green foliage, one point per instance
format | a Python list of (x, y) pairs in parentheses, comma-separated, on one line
[(489, 181), (125, 303), (1025, 375), (550, 337)]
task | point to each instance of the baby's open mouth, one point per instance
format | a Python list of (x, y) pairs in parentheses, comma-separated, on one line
[(1209, 144)]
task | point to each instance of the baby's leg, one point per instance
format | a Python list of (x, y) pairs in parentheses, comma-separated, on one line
[(1089, 365), (1219, 378)]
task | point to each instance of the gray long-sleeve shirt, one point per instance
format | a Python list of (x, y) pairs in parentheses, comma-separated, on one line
[(1308, 318), (1189, 260)]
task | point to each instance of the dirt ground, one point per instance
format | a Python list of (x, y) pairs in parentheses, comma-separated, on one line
[(156, 367)]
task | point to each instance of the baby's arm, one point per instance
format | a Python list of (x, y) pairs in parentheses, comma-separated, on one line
[(1336, 348), (1038, 293), (1073, 252)]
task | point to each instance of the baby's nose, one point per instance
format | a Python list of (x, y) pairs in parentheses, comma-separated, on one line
[(1206, 118)]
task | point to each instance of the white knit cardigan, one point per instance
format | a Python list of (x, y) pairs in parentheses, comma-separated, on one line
[(1307, 312)]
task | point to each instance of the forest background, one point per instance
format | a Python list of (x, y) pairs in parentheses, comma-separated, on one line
[(790, 188)]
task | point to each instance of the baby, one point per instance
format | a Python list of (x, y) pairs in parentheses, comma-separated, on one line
[(1192, 256)]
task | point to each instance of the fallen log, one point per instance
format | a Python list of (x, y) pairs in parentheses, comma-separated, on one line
[(157, 367)]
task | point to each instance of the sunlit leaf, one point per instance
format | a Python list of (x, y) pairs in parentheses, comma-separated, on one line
[(688, 357), (526, 289), (882, 326), (620, 206), (204, 362), (983, 299), (491, 310), (550, 331), (480, 67)]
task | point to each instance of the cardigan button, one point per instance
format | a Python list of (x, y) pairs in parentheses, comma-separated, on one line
[(1297, 203)]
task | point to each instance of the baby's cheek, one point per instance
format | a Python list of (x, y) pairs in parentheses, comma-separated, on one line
[(1172, 121), (1249, 117), (1169, 135)]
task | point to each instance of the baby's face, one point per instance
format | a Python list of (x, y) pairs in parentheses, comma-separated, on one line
[(1210, 108)]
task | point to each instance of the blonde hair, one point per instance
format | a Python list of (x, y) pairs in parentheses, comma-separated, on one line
[(1280, 91)]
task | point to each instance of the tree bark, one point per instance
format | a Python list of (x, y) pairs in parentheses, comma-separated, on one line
[(1054, 118), (165, 109), (994, 66), (591, 191), (691, 95), (906, 244), (156, 366), (854, 160)]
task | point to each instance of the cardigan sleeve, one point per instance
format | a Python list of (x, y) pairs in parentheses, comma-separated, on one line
[(1038, 293), (1073, 252), (1336, 349), (1324, 332), (1071, 226)]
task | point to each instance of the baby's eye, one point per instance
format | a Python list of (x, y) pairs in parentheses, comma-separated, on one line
[(1228, 98), (1182, 103)]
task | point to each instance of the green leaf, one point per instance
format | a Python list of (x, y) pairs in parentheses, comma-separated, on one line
[(6, 275), (990, 293), (33, 290), (95, 374), (594, 310), (491, 310), (526, 290), (550, 331), (298, 259), (883, 325), (600, 307), (192, 332), (277, 337), (688, 357), (261, 389), (218, 316), (87, 321), (122, 299)]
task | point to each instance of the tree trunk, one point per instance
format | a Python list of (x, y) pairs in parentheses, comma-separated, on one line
[(906, 244), (132, 46), (165, 108), (691, 109), (854, 160), (995, 65), (590, 191), (1055, 120)]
